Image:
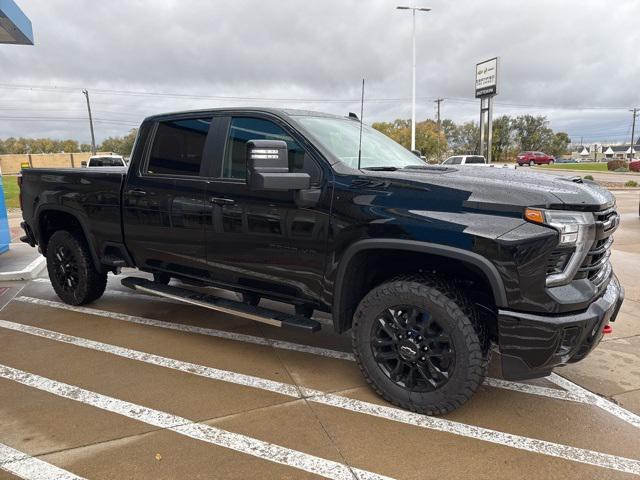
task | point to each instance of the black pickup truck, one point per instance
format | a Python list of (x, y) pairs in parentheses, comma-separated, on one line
[(428, 266)]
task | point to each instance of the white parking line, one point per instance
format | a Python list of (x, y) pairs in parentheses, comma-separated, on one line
[(192, 329), (534, 390), (199, 431), (496, 383), (29, 468), (388, 413), (597, 400), (137, 293)]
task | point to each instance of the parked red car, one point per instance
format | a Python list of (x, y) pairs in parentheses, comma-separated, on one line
[(535, 158)]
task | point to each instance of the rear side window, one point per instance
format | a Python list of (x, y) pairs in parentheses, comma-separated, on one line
[(475, 159), (106, 162), (178, 147), (454, 161), (243, 129)]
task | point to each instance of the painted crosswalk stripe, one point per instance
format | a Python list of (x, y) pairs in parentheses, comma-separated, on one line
[(388, 413), (24, 466), (325, 352), (199, 431)]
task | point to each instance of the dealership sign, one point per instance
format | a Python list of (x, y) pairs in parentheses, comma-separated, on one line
[(487, 78)]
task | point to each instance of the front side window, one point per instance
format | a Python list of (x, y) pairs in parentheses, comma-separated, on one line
[(178, 147), (243, 129)]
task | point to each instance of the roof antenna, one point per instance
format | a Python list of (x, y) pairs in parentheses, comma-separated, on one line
[(360, 139)]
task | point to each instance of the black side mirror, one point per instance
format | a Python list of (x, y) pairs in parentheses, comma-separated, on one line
[(268, 167), (83, 163)]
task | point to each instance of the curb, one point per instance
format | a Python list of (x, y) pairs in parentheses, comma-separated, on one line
[(29, 273)]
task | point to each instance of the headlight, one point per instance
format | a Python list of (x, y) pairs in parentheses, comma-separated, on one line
[(575, 229)]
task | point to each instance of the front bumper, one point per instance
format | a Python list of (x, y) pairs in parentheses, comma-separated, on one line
[(532, 345)]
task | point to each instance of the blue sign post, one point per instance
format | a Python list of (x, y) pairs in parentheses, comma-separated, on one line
[(15, 28)]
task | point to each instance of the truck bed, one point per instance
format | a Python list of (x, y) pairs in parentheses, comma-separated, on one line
[(92, 195)]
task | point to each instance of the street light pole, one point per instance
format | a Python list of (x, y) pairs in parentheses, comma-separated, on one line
[(413, 71), (633, 132)]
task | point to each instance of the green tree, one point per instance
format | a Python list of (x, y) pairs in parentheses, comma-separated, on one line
[(429, 141), (464, 138), (502, 139), (558, 145), (532, 133), (120, 145)]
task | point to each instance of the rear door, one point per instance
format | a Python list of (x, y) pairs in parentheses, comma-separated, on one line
[(264, 241), (163, 200)]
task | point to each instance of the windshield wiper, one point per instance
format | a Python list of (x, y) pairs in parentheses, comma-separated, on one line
[(381, 169)]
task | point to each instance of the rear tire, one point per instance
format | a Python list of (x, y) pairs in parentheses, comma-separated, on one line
[(551, 162), (419, 345), (71, 270)]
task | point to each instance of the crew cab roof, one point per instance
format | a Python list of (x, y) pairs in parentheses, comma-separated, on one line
[(280, 112)]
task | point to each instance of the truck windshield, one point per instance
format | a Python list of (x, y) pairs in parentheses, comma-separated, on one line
[(341, 137)]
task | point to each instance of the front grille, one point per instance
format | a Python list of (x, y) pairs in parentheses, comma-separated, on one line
[(596, 266)]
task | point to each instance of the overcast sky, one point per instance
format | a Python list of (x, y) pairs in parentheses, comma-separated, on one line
[(575, 61)]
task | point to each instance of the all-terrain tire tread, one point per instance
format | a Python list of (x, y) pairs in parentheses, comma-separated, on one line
[(459, 308)]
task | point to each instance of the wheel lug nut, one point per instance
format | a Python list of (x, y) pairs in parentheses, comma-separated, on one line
[(419, 338), (408, 334), (423, 358), (425, 348)]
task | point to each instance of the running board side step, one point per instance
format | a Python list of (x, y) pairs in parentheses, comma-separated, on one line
[(258, 314)]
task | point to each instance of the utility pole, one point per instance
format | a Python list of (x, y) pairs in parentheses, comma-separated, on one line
[(438, 101), (633, 132), (413, 72), (93, 137)]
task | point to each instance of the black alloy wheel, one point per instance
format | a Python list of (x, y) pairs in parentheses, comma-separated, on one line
[(65, 266), (412, 348), (71, 269)]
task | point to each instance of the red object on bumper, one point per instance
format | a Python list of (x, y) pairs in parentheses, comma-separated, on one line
[(607, 329)]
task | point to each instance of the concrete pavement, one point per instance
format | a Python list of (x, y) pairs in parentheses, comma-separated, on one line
[(138, 387)]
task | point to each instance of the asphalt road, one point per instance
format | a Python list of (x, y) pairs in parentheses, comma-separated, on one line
[(610, 177), (138, 387)]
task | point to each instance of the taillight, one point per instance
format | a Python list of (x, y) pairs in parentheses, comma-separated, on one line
[(20, 188)]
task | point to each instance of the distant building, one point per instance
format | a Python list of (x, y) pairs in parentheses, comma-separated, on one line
[(605, 151)]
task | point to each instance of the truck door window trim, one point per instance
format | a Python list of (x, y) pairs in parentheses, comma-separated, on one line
[(216, 173)]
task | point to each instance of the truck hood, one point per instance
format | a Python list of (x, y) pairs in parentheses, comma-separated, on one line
[(502, 188)]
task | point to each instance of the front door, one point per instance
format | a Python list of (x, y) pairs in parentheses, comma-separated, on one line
[(266, 241), (163, 203)]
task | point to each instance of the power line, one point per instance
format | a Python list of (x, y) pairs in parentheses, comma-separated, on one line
[(135, 93)]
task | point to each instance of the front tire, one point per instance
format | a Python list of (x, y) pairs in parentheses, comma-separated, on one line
[(418, 345), (532, 163), (71, 270), (551, 162)]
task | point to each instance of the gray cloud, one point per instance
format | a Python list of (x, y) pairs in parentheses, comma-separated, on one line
[(556, 57)]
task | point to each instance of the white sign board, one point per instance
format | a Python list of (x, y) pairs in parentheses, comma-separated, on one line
[(487, 78)]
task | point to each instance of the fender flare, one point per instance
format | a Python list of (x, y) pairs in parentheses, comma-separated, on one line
[(74, 213), (485, 266)]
